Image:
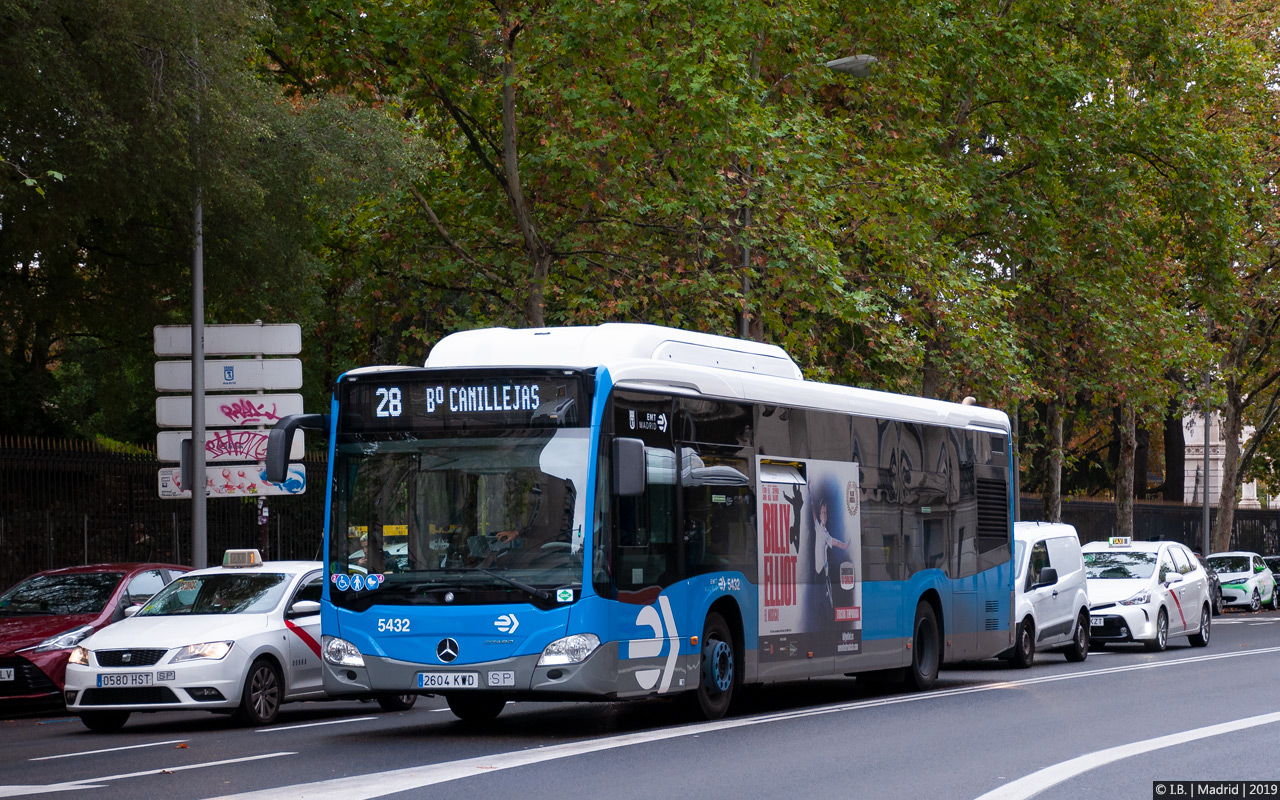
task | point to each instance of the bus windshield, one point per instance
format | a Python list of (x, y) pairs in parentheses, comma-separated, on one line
[(466, 514)]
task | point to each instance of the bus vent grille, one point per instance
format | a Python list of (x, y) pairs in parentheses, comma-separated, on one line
[(993, 624), (993, 606)]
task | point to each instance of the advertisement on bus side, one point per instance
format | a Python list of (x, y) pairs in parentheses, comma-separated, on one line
[(810, 559)]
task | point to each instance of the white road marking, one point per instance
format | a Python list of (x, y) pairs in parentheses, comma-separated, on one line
[(314, 724), (379, 784), (97, 783), (108, 750), (1040, 780)]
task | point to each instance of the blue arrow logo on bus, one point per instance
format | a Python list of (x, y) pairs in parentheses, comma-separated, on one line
[(507, 623)]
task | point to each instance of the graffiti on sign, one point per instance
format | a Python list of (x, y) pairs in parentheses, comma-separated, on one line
[(246, 412), (249, 445)]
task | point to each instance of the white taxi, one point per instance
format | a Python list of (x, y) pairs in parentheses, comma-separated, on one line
[(1145, 592), (241, 638)]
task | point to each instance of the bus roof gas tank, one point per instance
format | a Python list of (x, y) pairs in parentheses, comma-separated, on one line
[(609, 344)]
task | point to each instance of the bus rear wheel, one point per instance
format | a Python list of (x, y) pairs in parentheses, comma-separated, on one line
[(718, 675), (926, 649), (475, 707)]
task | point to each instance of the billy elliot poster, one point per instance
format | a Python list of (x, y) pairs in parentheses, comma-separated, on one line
[(810, 560)]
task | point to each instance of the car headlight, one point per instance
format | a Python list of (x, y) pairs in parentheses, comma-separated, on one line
[(569, 650), (1141, 598), (210, 650), (341, 653), (64, 640), (79, 656)]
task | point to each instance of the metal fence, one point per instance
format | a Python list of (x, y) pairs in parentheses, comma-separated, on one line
[(1257, 530), (67, 502), (64, 503)]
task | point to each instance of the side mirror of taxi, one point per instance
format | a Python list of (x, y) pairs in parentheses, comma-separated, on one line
[(1172, 578), (133, 609), (304, 608)]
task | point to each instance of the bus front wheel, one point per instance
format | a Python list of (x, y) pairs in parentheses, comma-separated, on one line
[(926, 649), (719, 669)]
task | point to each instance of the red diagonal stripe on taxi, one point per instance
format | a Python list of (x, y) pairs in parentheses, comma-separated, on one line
[(1174, 595), (304, 636)]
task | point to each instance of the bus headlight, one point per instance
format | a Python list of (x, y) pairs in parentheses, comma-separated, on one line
[(341, 653), (569, 650)]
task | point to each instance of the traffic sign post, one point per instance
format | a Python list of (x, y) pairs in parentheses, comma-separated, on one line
[(220, 452), (236, 480), (223, 445), (231, 375), (255, 339), (228, 409)]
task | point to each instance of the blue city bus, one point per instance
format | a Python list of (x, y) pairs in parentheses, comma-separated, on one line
[(630, 511)]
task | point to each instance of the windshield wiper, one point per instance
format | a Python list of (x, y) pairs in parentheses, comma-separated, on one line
[(541, 594)]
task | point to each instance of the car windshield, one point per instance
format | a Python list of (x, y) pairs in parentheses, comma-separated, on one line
[(1113, 564), (76, 593), (220, 593), (1230, 563), (1273, 563)]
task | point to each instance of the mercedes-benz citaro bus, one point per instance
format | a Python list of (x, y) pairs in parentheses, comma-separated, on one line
[(631, 511)]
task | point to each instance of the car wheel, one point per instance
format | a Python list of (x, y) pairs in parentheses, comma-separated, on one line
[(1201, 637), (397, 702), (260, 700), (1024, 644), (1255, 602), (1275, 598), (476, 707), (104, 721), (926, 649), (1217, 603), (719, 674), (1079, 647), (1161, 641)]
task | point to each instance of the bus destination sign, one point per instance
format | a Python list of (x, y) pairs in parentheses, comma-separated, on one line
[(410, 402)]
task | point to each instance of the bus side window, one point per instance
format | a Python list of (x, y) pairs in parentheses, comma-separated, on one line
[(719, 510)]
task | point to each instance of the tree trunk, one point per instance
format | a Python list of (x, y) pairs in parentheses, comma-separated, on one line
[(1124, 471), (1141, 456), (1053, 472), (1175, 455), (1232, 426)]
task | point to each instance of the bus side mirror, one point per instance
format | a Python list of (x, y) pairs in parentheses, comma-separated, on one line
[(628, 467), (280, 442)]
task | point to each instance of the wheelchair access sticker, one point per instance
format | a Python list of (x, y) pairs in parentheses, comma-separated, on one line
[(356, 583)]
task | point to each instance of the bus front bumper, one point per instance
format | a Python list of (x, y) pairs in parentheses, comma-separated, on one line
[(519, 676)]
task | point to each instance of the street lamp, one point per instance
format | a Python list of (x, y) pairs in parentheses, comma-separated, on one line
[(859, 66)]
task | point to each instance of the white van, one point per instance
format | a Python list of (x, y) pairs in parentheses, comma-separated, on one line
[(1051, 602)]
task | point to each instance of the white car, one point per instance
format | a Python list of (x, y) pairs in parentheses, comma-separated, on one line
[(1050, 597), (1145, 592), (241, 638), (1246, 579)]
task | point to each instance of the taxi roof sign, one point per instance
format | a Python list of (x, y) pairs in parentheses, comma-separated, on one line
[(242, 558), (1120, 541)]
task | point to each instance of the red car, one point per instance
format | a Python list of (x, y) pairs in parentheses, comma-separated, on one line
[(46, 615)]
